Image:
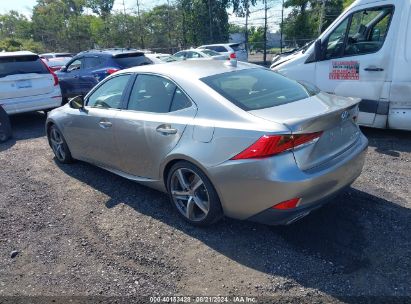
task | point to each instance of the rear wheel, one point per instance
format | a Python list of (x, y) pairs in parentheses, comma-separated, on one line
[(59, 145), (193, 195)]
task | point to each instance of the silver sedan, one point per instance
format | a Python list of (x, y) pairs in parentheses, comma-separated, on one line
[(221, 139)]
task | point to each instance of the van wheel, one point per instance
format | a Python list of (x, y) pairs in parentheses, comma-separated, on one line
[(193, 195), (59, 145)]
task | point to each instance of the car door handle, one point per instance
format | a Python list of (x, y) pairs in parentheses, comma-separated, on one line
[(76, 76), (166, 130), (105, 124), (373, 69)]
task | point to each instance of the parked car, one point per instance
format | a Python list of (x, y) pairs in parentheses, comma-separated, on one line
[(200, 54), (161, 58), (26, 83), (364, 53), (228, 48), (55, 64), (221, 139), (88, 68), (55, 55)]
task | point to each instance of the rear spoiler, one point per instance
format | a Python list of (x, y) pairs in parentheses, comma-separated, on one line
[(128, 54)]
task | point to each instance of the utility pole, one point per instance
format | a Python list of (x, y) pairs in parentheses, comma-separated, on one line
[(247, 12), (169, 27), (139, 25), (320, 23), (265, 32), (125, 24), (282, 26)]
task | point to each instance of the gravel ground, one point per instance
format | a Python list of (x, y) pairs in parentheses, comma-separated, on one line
[(79, 230)]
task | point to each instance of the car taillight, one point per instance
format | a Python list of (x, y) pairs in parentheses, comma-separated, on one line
[(233, 56), (269, 145), (111, 71), (289, 204), (56, 79)]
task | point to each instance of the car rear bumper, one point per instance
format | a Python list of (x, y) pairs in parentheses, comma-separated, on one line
[(249, 188), (32, 103)]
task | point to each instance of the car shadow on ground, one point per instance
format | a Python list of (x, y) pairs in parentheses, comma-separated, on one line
[(389, 142), (25, 126), (358, 244)]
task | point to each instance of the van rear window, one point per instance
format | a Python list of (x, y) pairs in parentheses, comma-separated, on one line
[(254, 89), (21, 65), (130, 60)]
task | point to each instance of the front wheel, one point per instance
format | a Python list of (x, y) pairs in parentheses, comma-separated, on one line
[(59, 145), (193, 195)]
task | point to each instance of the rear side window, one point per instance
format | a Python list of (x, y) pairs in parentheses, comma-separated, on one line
[(210, 52), (217, 48), (156, 94), (237, 47), (254, 89), (22, 65), (92, 62), (151, 94), (130, 60)]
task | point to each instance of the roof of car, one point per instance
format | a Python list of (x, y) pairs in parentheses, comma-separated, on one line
[(18, 53), (191, 69)]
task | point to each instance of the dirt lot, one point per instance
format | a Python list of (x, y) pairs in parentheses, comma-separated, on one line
[(79, 230)]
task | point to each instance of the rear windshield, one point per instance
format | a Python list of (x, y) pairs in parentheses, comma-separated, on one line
[(21, 65), (254, 89), (130, 60)]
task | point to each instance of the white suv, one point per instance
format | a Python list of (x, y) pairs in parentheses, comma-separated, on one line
[(26, 83), (227, 49)]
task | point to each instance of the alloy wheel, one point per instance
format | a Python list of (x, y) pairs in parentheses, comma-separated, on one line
[(57, 144), (190, 194)]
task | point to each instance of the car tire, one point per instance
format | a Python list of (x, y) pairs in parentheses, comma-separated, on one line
[(193, 195), (59, 145), (3, 137)]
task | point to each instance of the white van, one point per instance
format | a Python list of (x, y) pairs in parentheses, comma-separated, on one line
[(26, 83), (365, 53)]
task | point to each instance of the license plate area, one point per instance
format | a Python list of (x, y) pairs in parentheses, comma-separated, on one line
[(23, 84)]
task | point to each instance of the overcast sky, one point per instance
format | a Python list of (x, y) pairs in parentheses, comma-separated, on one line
[(257, 16)]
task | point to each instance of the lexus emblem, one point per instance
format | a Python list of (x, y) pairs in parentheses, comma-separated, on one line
[(345, 115)]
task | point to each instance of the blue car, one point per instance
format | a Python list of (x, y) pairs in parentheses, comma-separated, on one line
[(88, 68)]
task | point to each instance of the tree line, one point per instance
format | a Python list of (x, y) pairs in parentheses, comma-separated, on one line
[(75, 25)]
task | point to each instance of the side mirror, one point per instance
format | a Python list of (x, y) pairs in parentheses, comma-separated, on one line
[(63, 69), (77, 102), (318, 51)]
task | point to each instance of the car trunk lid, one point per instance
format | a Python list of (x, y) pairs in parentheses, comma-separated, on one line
[(22, 76), (331, 115), (15, 86)]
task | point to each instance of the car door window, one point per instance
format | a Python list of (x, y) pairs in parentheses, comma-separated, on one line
[(108, 95), (336, 39), (75, 65), (180, 101), (363, 32), (151, 93), (368, 30), (91, 62), (193, 55), (180, 54)]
